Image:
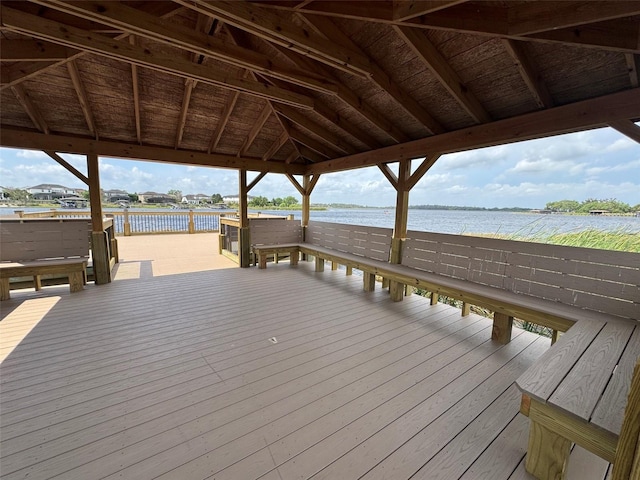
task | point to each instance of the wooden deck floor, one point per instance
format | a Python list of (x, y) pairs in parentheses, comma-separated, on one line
[(187, 367)]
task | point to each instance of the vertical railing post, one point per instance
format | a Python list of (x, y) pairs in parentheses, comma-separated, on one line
[(192, 225), (127, 225)]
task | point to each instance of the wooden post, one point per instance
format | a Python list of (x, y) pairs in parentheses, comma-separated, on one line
[(502, 326), (627, 461), (99, 240), (306, 207), (127, 225), (192, 225), (397, 289), (244, 242)]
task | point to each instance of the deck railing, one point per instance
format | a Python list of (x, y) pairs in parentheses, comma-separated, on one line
[(140, 223)]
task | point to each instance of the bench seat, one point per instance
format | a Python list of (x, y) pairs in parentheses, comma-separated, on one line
[(577, 392), (74, 268)]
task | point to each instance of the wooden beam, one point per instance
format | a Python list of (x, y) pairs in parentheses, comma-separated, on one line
[(308, 154), (300, 119), (29, 107), (296, 184), (99, 241), (313, 144), (136, 95), (633, 64), (255, 181), (275, 28), (404, 10), (275, 146), (222, 122), (68, 166), (533, 17), (584, 115), (529, 73), (32, 51), (628, 128), (348, 127), (294, 155), (393, 179), (15, 138), (427, 52), (18, 21), (74, 73), (184, 109), (325, 26), (134, 21), (256, 128), (422, 169)]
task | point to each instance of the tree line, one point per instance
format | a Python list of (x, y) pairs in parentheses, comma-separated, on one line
[(610, 205)]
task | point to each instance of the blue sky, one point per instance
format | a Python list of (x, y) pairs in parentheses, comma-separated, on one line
[(595, 164)]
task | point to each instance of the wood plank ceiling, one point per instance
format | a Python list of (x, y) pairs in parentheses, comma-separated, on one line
[(311, 86)]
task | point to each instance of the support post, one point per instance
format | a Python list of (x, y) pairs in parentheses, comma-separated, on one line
[(99, 241), (244, 242), (306, 207), (397, 289), (502, 326)]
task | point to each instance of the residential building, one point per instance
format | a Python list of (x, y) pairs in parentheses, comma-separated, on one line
[(48, 191)]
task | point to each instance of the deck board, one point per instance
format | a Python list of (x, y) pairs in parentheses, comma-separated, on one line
[(168, 372)]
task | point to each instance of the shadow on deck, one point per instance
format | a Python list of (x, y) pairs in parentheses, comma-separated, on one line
[(189, 367)]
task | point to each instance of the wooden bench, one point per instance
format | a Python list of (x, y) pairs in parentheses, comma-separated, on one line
[(35, 247), (577, 392)]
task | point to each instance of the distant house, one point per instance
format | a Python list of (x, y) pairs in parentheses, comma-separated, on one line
[(3, 193), (48, 191), (234, 198), (115, 195), (154, 197), (196, 199)]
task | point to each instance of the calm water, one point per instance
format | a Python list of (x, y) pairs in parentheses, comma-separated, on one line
[(457, 222)]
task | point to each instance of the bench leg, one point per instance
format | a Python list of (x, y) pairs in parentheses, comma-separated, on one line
[(293, 257), (334, 265), (37, 282), (349, 270), (275, 257), (466, 309), (4, 289), (396, 290), (262, 260), (408, 290), (547, 453), (369, 280), (502, 326), (434, 298), (385, 283), (319, 264), (76, 283)]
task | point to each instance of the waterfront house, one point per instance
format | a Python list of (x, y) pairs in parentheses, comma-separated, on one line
[(196, 199), (48, 191), (115, 195)]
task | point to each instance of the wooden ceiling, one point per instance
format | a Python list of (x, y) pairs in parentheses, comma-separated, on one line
[(312, 86)]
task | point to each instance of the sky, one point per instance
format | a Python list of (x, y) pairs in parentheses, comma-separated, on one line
[(597, 164)]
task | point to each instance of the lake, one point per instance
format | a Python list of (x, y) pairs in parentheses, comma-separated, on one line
[(450, 221)]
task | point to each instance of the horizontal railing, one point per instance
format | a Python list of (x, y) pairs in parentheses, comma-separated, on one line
[(141, 223)]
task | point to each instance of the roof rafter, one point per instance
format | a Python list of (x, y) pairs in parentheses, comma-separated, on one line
[(529, 73), (584, 115), (414, 8), (74, 73), (32, 51), (275, 146), (427, 52), (255, 129), (222, 123), (197, 41), (274, 27), (325, 26), (628, 128), (136, 95), (312, 143), (15, 138), (31, 110), (18, 21)]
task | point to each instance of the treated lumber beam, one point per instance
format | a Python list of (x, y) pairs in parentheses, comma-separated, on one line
[(325, 26), (74, 73), (32, 51), (404, 10), (308, 154), (29, 140), (83, 178), (20, 22), (392, 177), (296, 184), (294, 155), (136, 95), (628, 128), (276, 28), (222, 123), (275, 146), (422, 169), (184, 109), (584, 115), (534, 17), (346, 126), (134, 21), (529, 73), (313, 144), (427, 52), (255, 181), (256, 128), (31, 110), (633, 65)]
